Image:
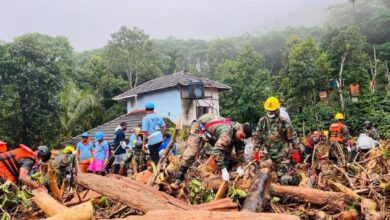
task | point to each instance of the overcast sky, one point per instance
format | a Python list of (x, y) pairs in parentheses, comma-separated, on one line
[(88, 23)]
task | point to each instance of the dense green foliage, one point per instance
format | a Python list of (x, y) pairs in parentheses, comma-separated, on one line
[(50, 93)]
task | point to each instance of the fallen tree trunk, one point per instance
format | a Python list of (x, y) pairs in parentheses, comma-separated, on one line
[(300, 194), (258, 194), (46, 203), (85, 196), (131, 193), (313, 196), (192, 215), (83, 211)]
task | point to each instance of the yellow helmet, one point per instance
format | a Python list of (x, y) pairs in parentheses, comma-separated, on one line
[(339, 116), (137, 130), (272, 104), (68, 148)]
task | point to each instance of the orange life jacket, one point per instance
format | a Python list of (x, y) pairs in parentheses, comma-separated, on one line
[(335, 132), (3, 147), (309, 141), (9, 167)]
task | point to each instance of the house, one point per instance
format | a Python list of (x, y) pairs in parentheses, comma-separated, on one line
[(177, 94)]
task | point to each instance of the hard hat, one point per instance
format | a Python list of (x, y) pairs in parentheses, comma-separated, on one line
[(68, 149), (137, 130), (44, 153), (272, 104), (85, 134), (149, 105), (99, 135), (2, 143), (339, 116)]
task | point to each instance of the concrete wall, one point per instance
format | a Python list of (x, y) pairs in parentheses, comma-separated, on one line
[(169, 103)]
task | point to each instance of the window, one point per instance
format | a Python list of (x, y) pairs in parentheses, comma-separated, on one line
[(201, 110)]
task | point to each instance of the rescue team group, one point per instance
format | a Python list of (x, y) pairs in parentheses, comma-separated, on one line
[(274, 141)]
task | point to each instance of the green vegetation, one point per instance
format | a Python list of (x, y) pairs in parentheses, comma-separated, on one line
[(50, 93)]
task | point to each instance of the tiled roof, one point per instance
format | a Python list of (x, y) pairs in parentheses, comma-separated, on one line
[(133, 119), (168, 81)]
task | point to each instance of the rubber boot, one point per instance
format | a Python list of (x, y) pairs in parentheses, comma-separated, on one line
[(179, 177)]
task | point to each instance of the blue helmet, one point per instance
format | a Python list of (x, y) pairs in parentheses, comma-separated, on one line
[(149, 105), (85, 134), (99, 135)]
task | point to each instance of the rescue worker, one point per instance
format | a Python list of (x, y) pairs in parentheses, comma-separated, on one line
[(153, 127), (120, 148), (101, 154), (370, 131), (16, 164), (339, 133), (137, 154), (84, 152), (306, 148), (222, 134), (3, 147), (64, 163), (275, 136)]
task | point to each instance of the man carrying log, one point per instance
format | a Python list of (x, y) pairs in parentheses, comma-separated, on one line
[(276, 135), (222, 134), (16, 164)]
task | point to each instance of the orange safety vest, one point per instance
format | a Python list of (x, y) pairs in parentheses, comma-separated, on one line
[(3, 147), (9, 167), (308, 141), (335, 132)]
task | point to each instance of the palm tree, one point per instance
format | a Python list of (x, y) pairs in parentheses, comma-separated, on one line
[(78, 110)]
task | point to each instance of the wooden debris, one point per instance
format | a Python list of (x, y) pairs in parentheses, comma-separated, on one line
[(83, 211), (197, 215), (47, 203), (258, 193)]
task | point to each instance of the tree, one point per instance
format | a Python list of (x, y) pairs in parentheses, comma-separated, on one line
[(79, 110), (33, 82), (250, 83), (345, 48), (308, 71), (131, 52)]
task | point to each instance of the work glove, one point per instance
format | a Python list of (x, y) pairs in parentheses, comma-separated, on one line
[(296, 158), (256, 156), (240, 171), (225, 175), (319, 157), (349, 149), (120, 170)]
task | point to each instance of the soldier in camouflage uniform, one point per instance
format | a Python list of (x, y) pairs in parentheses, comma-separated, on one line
[(222, 134), (370, 131), (276, 135), (64, 163)]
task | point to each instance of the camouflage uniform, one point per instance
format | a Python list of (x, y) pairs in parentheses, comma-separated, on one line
[(275, 135), (219, 136), (63, 164), (372, 133)]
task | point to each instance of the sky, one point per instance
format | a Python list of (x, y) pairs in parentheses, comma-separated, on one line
[(88, 23)]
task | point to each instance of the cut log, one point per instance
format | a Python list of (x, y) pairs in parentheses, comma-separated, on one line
[(46, 203), (258, 194), (299, 194), (83, 211), (85, 196), (131, 193), (226, 204), (313, 196), (197, 215)]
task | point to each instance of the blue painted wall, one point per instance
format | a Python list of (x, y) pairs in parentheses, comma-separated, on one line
[(167, 102)]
